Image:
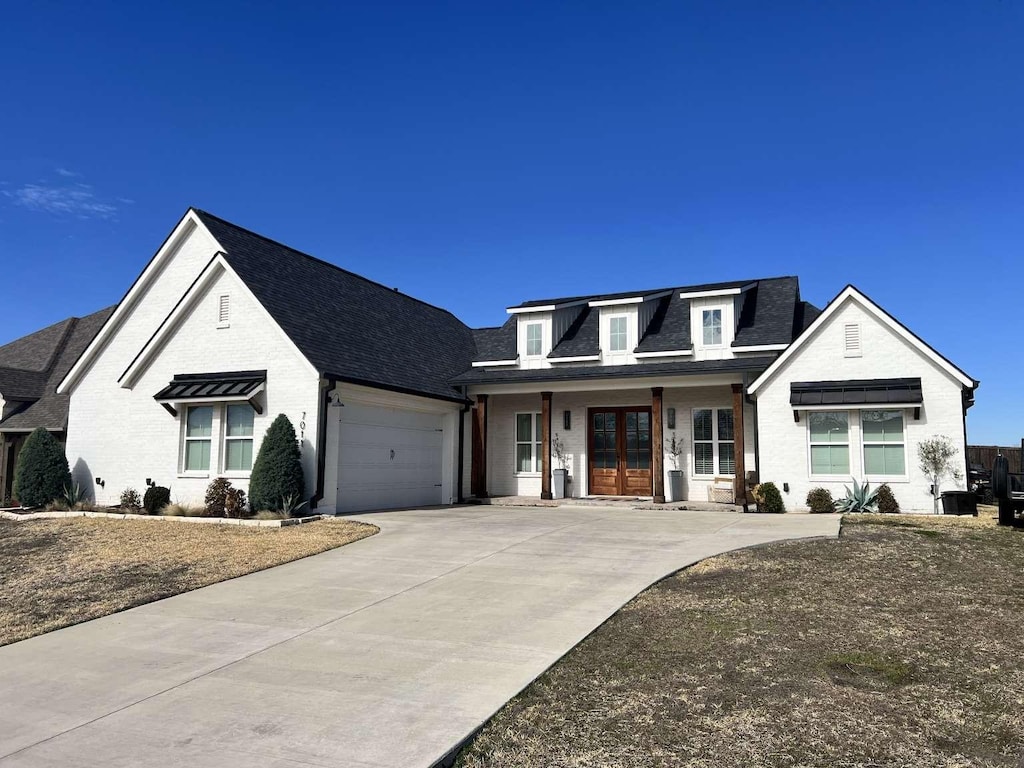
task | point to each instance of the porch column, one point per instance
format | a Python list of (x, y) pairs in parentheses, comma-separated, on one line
[(545, 445), (740, 480), (5, 491), (478, 472), (657, 446)]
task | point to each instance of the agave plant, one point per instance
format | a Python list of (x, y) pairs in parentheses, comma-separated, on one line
[(860, 499)]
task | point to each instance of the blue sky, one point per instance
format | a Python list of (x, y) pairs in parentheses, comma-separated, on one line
[(479, 154)]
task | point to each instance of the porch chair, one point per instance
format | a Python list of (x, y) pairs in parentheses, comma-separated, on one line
[(720, 491)]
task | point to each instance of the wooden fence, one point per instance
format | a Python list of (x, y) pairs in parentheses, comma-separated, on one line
[(986, 454)]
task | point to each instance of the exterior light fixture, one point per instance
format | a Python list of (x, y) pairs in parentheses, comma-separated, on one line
[(671, 418), (567, 420)]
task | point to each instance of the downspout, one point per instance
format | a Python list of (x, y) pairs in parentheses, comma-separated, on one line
[(321, 440), (462, 445)]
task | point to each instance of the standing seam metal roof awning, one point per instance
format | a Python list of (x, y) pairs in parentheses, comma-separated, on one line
[(856, 392), (239, 385)]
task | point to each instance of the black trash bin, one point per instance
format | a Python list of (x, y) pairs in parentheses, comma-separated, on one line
[(959, 503)]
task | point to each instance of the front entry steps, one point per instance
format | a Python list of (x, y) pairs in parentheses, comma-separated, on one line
[(627, 502)]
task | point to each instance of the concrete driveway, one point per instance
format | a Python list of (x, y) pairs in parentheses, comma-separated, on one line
[(386, 652)]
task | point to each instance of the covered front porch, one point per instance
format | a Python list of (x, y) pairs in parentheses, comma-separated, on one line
[(613, 442)]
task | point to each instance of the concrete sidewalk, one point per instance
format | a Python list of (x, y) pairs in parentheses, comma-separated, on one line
[(386, 652)]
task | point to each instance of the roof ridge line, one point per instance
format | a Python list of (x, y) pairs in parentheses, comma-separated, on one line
[(326, 263)]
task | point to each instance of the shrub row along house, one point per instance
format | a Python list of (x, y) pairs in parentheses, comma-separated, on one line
[(398, 403)]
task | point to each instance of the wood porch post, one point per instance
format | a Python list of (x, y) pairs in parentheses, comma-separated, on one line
[(657, 446), (478, 472), (545, 445), (740, 479)]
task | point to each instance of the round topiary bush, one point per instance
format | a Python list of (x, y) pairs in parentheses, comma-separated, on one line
[(772, 503), (886, 501), (42, 473), (277, 477), (820, 500), (156, 498)]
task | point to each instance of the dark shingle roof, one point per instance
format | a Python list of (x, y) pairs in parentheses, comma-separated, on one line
[(495, 376), (806, 313), (582, 337), (36, 351), (768, 312), (50, 410), (669, 328), (496, 343), (347, 326)]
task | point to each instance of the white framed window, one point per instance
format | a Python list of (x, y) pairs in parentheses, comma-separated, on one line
[(198, 438), (711, 323), (238, 423), (534, 339), (714, 452), (617, 333), (528, 432), (828, 435), (884, 444)]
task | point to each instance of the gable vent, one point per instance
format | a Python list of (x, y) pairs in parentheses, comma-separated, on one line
[(224, 311), (851, 333)]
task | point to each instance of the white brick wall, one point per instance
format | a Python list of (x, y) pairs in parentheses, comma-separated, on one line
[(123, 436), (784, 443), (502, 479)]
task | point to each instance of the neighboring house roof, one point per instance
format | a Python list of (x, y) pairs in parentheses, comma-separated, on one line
[(38, 386), (852, 293), (561, 373), (347, 326)]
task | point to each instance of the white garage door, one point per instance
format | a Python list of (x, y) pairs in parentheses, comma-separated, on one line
[(388, 458)]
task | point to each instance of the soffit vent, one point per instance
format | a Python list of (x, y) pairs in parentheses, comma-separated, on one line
[(224, 311), (851, 333)]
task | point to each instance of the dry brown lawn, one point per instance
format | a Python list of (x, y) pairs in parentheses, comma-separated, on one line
[(54, 573), (900, 644)]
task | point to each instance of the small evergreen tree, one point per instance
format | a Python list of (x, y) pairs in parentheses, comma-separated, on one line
[(42, 474), (820, 500), (157, 497), (773, 503), (887, 503), (277, 472)]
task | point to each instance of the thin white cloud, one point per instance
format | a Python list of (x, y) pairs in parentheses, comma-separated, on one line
[(68, 199), (66, 173)]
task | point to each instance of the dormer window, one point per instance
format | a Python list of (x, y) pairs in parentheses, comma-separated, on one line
[(712, 325), (617, 334), (534, 339)]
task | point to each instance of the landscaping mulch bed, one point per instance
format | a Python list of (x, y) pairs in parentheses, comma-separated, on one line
[(54, 573), (897, 645)]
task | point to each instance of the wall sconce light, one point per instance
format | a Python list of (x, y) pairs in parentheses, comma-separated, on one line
[(150, 483), (335, 399), (785, 487), (100, 483), (671, 418), (566, 420)]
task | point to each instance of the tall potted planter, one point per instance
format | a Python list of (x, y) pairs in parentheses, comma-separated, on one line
[(560, 475), (674, 448)]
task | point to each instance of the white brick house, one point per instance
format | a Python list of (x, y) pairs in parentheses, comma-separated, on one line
[(398, 403)]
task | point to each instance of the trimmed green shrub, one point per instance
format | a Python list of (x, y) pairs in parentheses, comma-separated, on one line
[(223, 500), (131, 502), (156, 498), (277, 472), (820, 500), (772, 503), (42, 474), (885, 500)]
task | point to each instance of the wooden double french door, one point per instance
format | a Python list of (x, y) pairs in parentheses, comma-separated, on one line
[(619, 451)]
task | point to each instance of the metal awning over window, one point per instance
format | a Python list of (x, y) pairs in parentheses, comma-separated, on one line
[(855, 394), (222, 387)]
